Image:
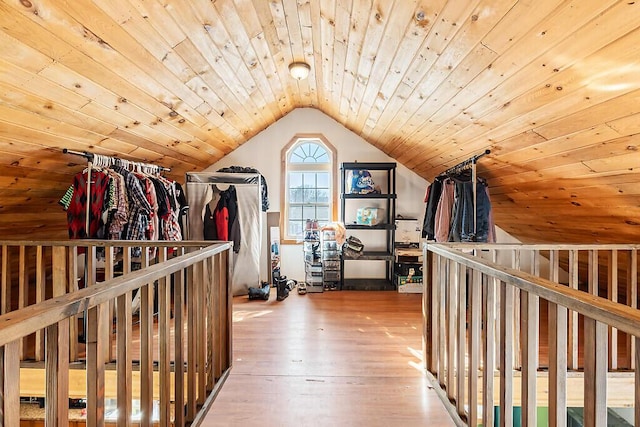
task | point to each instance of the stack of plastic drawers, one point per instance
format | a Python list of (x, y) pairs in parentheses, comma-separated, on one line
[(312, 260), (330, 260)]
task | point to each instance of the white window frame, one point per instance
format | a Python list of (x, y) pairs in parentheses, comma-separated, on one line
[(288, 167)]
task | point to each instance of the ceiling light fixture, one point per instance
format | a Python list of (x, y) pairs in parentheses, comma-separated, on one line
[(299, 70)]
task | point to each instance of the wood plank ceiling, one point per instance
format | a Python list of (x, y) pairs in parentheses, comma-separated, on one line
[(551, 87)]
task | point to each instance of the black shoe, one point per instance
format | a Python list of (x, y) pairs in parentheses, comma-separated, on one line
[(283, 290), (260, 293)]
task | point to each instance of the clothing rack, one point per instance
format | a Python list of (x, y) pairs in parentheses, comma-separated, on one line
[(101, 160), (470, 163), (115, 161)]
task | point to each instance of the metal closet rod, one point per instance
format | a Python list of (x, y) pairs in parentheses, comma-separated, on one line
[(89, 156), (464, 164)]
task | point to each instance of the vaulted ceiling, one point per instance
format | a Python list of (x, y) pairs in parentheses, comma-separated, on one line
[(550, 87)]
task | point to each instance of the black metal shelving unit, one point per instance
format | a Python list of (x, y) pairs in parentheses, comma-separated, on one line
[(388, 196)]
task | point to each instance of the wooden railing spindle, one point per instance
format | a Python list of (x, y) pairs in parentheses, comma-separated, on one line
[(489, 344), (146, 345), (461, 338)]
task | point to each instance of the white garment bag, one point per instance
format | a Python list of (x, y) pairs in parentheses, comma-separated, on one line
[(199, 191)]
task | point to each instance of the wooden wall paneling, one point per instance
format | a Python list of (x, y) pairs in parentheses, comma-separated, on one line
[(221, 81), (423, 18), (219, 39), (267, 75), (437, 85), (240, 24), (343, 27), (326, 20), (371, 53), (292, 10), (442, 31), (392, 25), (305, 12), (556, 27), (358, 16)]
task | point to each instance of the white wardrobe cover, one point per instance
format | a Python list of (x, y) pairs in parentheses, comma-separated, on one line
[(199, 190)]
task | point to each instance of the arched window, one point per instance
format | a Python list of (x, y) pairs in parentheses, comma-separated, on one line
[(308, 185)]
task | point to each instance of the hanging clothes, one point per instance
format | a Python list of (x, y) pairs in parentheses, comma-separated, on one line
[(222, 223), (442, 221), (263, 182), (428, 226), (75, 203)]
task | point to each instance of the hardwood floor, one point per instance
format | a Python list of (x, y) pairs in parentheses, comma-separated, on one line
[(343, 358)]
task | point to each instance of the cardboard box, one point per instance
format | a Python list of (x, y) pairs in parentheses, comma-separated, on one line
[(409, 285), (408, 231)]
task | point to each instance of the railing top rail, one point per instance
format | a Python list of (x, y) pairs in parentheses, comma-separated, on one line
[(20, 323), (617, 315), (537, 246), (108, 243)]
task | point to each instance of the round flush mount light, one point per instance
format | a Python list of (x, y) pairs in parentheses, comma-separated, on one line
[(299, 70)]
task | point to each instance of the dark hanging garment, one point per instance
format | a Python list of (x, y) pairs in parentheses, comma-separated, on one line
[(428, 226), (263, 182)]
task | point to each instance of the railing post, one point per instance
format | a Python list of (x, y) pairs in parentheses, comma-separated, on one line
[(124, 360), (10, 384), (489, 351), (146, 342), (506, 354), (573, 315), (612, 289), (475, 306), (451, 313), (461, 339), (178, 316), (57, 350)]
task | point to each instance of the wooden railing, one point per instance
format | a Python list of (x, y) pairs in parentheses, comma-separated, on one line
[(483, 329), (182, 352)]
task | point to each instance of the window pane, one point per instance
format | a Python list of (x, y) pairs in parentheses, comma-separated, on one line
[(309, 212), (296, 195), (323, 213), (323, 196), (309, 179), (295, 228), (309, 195), (295, 212), (322, 158), (295, 179), (323, 179)]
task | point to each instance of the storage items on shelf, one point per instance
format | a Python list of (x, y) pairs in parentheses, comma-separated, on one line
[(312, 257), (330, 260), (368, 202)]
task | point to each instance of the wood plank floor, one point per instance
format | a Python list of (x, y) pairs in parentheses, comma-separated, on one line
[(343, 358)]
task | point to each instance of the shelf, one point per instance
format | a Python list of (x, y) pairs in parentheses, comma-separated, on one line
[(370, 166), (368, 285), (371, 256), (370, 227), (368, 196)]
